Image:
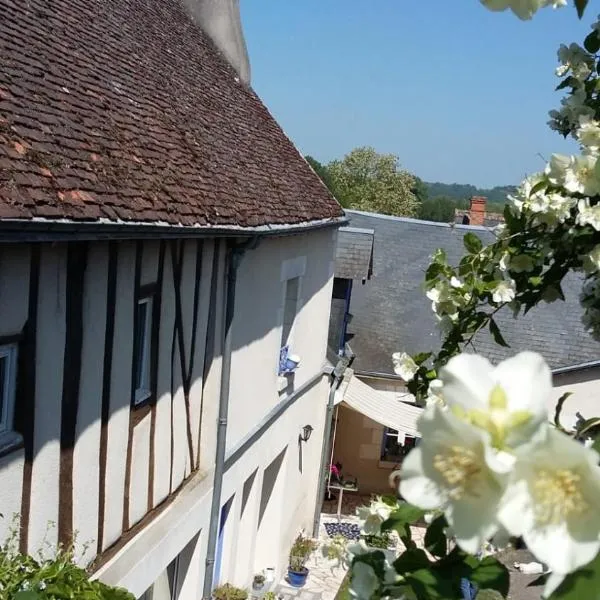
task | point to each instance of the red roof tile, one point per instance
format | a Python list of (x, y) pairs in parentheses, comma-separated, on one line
[(123, 109)]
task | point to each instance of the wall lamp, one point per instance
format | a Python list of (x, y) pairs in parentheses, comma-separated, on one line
[(305, 435)]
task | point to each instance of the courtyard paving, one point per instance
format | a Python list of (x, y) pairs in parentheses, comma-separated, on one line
[(325, 577)]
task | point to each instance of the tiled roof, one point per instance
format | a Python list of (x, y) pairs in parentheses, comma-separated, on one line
[(391, 312), (124, 110), (354, 253)]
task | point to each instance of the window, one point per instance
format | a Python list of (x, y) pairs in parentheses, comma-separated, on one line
[(142, 345), (395, 445), (8, 372), (290, 308)]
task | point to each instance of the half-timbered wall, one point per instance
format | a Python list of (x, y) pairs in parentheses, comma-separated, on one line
[(132, 480), (83, 459)]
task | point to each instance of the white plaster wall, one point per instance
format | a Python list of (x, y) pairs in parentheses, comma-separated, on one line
[(293, 506), (48, 398), (162, 430), (140, 471), (86, 466), (120, 396), (585, 386), (257, 334), (212, 386), (11, 478)]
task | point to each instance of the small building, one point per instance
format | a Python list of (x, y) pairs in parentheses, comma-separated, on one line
[(163, 245), (390, 313)]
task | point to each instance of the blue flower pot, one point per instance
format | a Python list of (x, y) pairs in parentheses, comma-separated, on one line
[(297, 578)]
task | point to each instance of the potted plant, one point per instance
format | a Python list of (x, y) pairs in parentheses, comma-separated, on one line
[(258, 583), (300, 552), (229, 592)]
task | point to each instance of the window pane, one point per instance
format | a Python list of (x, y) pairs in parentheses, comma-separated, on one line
[(290, 308), (140, 331)]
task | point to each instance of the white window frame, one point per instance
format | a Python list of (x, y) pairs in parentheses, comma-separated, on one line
[(144, 391), (10, 353)]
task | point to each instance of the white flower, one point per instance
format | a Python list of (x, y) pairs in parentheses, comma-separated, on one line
[(581, 175), (450, 470), (508, 401), (373, 516), (504, 291), (441, 298), (552, 501), (435, 393), (364, 582), (455, 282), (574, 58), (524, 9), (404, 366), (588, 215), (588, 133), (591, 261), (504, 262), (557, 167)]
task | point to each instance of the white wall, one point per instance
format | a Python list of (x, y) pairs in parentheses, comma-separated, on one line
[(257, 337), (254, 392), (585, 385)]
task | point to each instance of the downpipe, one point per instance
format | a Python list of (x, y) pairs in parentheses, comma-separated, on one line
[(234, 257)]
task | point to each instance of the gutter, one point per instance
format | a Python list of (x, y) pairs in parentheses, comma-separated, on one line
[(579, 367), (44, 230), (234, 258), (336, 379)]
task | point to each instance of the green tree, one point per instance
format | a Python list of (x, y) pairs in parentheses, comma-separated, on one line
[(321, 170), (367, 180), (439, 209), (420, 189)]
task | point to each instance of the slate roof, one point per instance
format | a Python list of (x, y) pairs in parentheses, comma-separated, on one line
[(354, 253), (391, 312), (123, 110)]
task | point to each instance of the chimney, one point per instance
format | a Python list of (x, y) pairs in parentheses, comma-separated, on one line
[(477, 210), (222, 22)]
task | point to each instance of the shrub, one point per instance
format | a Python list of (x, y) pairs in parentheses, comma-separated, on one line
[(22, 577), (229, 592)]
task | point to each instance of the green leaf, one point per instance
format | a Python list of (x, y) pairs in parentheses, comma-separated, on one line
[(491, 574), (580, 585), (440, 257), (497, 335), (411, 560), (472, 243), (405, 515), (435, 538), (429, 584), (565, 83), (596, 444), (580, 6), (559, 407), (27, 595), (433, 271), (592, 42), (421, 357), (538, 187)]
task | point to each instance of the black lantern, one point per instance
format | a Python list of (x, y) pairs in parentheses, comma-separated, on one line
[(306, 431)]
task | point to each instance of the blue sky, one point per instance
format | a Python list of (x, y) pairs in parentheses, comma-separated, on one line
[(458, 93)]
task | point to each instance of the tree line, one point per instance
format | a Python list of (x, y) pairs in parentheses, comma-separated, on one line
[(370, 181)]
